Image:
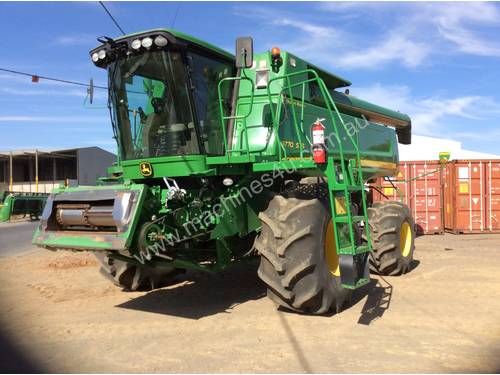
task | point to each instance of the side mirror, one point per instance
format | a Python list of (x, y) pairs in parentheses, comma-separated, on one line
[(90, 90), (244, 52)]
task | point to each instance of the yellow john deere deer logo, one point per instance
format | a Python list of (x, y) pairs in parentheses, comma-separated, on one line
[(146, 169)]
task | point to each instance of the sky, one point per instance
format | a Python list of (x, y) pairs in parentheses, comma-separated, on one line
[(437, 62)]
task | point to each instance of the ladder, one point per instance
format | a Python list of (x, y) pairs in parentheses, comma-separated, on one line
[(344, 174), (345, 177)]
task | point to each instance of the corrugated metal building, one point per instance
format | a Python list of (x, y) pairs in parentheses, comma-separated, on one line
[(41, 170)]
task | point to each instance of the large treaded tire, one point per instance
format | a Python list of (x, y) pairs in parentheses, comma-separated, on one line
[(293, 264), (132, 277), (386, 221)]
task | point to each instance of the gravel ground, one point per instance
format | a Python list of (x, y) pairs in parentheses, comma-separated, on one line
[(58, 314)]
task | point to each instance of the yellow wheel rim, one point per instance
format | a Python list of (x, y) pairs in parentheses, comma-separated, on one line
[(405, 239), (332, 258)]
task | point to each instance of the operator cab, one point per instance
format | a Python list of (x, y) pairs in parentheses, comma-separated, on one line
[(163, 93)]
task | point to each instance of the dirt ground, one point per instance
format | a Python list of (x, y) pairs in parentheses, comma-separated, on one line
[(444, 316)]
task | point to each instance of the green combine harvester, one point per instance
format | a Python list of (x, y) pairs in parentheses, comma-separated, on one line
[(224, 158), (19, 203)]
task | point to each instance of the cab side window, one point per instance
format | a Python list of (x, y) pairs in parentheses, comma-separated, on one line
[(206, 74)]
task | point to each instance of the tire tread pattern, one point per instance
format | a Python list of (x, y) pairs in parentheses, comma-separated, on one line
[(132, 277), (293, 264), (385, 219)]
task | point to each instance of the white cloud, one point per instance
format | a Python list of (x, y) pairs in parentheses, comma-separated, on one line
[(430, 114), (313, 30), (490, 135), (54, 119), (75, 40), (410, 34), (393, 48), (310, 39), (320, 43), (451, 23), (469, 43), (429, 29), (395, 97)]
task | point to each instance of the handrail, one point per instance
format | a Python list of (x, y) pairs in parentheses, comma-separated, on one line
[(332, 109), (328, 101), (236, 117)]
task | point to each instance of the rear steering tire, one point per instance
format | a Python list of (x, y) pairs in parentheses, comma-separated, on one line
[(299, 263), (392, 238), (133, 277)]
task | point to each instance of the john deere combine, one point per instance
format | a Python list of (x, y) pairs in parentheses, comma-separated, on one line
[(20, 203), (225, 157)]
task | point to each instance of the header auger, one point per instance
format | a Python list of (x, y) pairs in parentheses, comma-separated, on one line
[(222, 158)]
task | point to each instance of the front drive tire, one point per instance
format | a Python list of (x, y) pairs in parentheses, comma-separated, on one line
[(392, 237), (133, 277), (299, 263)]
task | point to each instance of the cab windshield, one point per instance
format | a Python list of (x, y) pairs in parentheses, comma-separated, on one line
[(153, 115)]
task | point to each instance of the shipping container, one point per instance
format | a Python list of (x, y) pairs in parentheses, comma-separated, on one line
[(493, 195), (426, 196), (472, 196), (394, 188), (419, 186)]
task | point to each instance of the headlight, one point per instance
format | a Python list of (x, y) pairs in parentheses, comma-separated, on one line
[(95, 57), (261, 78), (136, 44), (161, 41), (227, 181), (147, 42), (102, 54)]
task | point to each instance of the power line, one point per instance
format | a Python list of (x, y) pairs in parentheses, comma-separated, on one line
[(175, 15), (36, 76), (111, 16), (51, 78)]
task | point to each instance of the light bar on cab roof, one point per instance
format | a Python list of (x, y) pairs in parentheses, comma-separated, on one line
[(113, 48)]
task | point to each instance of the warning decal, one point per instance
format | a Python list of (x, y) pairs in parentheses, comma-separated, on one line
[(463, 187)]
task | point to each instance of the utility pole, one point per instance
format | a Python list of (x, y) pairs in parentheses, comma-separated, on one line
[(10, 170), (36, 171)]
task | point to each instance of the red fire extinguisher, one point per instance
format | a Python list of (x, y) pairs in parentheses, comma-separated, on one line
[(319, 146)]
